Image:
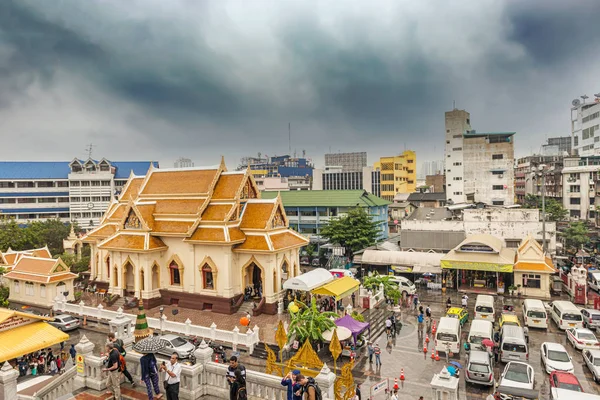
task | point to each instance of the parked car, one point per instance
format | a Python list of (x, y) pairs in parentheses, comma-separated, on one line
[(591, 318), (65, 322), (405, 285), (592, 360), (176, 344), (479, 368), (517, 374), (460, 313), (509, 319), (555, 358), (565, 380), (582, 338)]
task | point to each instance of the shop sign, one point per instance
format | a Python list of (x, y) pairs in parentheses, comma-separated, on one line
[(398, 268), (379, 387), (476, 266), (80, 364)]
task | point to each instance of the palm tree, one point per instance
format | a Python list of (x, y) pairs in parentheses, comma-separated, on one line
[(310, 323), (390, 288)]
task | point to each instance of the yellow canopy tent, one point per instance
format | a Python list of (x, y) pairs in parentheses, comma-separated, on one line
[(338, 288)]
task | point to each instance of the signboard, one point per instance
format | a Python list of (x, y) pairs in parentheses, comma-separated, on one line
[(80, 365), (476, 266), (399, 268), (14, 322), (379, 387)]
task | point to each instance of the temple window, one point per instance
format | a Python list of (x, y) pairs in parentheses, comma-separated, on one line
[(43, 291), (207, 277), (17, 287), (108, 267), (29, 290), (175, 274)]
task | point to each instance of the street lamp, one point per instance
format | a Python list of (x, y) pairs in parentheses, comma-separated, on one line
[(162, 311), (541, 171)]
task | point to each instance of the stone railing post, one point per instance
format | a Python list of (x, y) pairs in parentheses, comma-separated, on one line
[(204, 355), (326, 381), (236, 335), (84, 349), (255, 339), (8, 382), (120, 327), (81, 305), (99, 312), (213, 331), (188, 326)]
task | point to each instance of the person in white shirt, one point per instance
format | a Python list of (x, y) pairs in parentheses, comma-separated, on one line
[(388, 326), (465, 300), (173, 375)]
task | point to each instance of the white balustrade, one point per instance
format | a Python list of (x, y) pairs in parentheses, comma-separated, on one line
[(58, 387)]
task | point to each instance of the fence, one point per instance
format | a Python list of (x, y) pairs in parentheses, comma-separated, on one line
[(233, 338)]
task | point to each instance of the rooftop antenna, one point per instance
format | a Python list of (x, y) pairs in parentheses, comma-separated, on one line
[(454, 104), (584, 97), (290, 137), (89, 149)]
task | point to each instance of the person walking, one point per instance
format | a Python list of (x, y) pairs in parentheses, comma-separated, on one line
[(420, 319), (353, 299), (118, 344), (370, 351), (150, 375), (377, 355), (113, 382), (292, 386), (173, 376), (358, 395), (428, 311), (415, 301), (237, 390), (73, 353), (448, 304), (465, 301)]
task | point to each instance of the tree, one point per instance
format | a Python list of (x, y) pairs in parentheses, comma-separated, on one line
[(390, 288), (4, 292), (310, 249), (554, 209), (34, 235), (576, 235), (310, 322), (353, 231)]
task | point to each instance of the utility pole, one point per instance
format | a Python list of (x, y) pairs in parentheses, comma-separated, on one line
[(89, 150), (290, 138)]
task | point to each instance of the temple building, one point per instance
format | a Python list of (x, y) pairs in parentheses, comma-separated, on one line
[(10, 258), (197, 237)]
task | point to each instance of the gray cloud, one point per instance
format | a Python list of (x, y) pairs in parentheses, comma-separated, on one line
[(149, 79)]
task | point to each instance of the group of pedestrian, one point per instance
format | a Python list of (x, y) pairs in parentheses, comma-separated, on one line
[(45, 361), (374, 350), (300, 387), (115, 365), (236, 376)]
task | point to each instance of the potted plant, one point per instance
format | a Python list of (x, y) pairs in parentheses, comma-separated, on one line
[(511, 289), (519, 290)]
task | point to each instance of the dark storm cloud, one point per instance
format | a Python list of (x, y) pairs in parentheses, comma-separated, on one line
[(209, 78)]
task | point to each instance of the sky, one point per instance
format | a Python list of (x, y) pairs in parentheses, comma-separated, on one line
[(156, 80)]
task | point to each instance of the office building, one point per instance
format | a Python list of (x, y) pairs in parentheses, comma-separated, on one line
[(350, 162), (183, 162), (308, 211), (585, 125), (77, 191), (297, 171), (579, 177), (398, 174), (335, 178), (479, 165), (557, 146), (528, 179)]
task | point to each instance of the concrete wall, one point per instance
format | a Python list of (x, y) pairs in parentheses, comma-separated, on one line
[(40, 297), (544, 290)]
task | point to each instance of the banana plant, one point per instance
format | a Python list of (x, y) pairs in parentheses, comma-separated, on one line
[(309, 322)]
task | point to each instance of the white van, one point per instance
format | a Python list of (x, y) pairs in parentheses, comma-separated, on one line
[(404, 285), (480, 330), (513, 345), (534, 314), (593, 280), (566, 315), (447, 336), (484, 307)]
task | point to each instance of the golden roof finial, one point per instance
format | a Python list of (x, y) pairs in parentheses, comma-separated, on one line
[(222, 164)]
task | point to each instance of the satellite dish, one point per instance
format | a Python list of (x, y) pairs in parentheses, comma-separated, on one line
[(576, 102), (597, 95)]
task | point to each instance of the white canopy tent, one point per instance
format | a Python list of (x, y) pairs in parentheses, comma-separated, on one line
[(420, 262), (309, 281)]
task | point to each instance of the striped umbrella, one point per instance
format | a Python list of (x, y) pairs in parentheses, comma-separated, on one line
[(141, 325)]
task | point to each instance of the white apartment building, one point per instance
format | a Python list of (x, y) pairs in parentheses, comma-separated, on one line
[(336, 178), (70, 191), (585, 125), (183, 162), (479, 165), (580, 175)]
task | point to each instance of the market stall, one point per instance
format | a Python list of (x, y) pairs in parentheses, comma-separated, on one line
[(356, 327), (338, 288), (309, 280)]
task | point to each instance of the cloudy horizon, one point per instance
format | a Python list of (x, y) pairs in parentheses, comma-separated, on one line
[(159, 80)]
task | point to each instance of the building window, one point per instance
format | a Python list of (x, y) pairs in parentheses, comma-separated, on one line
[(457, 149), (456, 136), (457, 178), (532, 281), (105, 183), (8, 201), (47, 200), (62, 184), (27, 200), (63, 199), (96, 198), (497, 202), (43, 291), (45, 184), (207, 277), (105, 198), (308, 213), (497, 156), (7, 185), (574, 213), (574, 188), (175, 274), (513, 243), (85, 183), (75, 199), (574, 200), (497, 172), (75, 184), (25, 184), (497, 187), (17, 287), (85, 199), (29, 289), (95, 183)]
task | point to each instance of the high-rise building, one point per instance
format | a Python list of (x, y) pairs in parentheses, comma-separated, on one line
[(183, 162), (350, 162), (528, 179), (398, 174), (335, 178), (298, 171), (579, 177), (585, 127), (557, 146), (434, 167), (479, 165)]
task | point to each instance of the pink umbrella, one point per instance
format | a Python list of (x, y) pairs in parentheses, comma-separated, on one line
[(487, 343)]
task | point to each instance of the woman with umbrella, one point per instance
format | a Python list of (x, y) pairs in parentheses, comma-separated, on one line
[(148, 347)]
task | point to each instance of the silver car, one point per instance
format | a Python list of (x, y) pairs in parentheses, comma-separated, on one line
[(592, 360), (65, 322), (591, 318), (479, 368), (176, 344)]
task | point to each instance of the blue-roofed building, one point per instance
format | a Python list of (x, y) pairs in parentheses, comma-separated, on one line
[(77, 190)]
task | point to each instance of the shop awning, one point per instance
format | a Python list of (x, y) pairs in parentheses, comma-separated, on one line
[(29, 338), (309, 281), (401, 258), (480, 253), (339, 288)]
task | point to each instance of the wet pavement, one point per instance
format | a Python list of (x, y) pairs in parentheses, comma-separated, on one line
[(406, 351)]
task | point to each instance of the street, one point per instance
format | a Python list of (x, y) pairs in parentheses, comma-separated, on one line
[(406, 351)]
